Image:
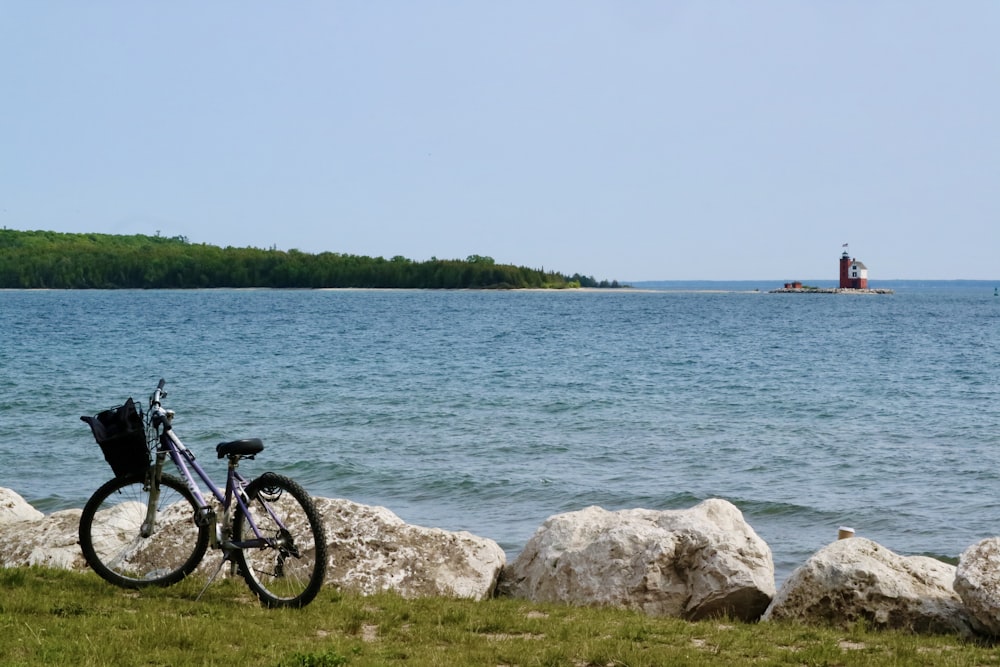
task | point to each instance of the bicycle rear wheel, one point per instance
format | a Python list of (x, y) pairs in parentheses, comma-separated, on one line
[(286, 569), (111, 533)]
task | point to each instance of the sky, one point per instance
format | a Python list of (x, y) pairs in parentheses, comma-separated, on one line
[(624, 140)]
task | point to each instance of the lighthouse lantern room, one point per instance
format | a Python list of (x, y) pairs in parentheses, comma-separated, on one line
[(853, 274)]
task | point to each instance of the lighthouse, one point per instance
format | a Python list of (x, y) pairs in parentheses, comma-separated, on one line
[(853, 274)]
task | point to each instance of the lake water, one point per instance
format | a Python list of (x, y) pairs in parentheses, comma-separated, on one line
[(491, 411)]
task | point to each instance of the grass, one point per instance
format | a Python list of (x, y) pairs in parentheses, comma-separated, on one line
[(56, 617)]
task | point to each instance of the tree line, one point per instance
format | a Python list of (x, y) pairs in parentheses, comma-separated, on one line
[(54, 260)]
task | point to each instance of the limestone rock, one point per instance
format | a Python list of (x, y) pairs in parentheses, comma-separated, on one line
[(977, 582), (372, 549), (49, 542), (854, 579), (689, 563), (14, 508)]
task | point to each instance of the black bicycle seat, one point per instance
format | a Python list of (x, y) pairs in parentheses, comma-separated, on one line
[(247, 447)]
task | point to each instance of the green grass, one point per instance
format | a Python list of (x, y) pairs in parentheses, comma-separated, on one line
[(55, 617)]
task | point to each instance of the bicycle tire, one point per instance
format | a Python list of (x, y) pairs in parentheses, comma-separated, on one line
[(290, 570), (113, 546)]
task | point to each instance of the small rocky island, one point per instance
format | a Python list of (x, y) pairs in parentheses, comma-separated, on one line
[(805, 289), (853, 280)]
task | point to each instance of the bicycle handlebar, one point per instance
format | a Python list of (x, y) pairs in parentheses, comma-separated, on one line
[(154, 400), (157, 414)]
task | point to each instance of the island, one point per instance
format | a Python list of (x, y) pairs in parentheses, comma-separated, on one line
[(853, 280), (53, 260)]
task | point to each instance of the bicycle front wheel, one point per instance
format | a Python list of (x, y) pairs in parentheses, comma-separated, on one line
[(121, 551), (284, 559)]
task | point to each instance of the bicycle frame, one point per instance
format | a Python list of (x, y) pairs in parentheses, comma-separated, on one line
[(184, 459)]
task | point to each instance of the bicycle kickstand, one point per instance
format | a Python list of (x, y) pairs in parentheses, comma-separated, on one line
[(227, 555)]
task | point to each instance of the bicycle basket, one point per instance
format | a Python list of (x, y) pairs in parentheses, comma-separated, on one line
[(122, 436)]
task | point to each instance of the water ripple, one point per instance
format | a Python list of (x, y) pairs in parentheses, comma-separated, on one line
[(491, 411)]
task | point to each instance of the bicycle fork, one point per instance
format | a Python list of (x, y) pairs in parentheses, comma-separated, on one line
[(148, 526)]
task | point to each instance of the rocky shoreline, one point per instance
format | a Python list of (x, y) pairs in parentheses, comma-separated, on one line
[(695, 563)]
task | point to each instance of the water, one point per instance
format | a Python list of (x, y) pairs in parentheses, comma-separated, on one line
[(490, 411)]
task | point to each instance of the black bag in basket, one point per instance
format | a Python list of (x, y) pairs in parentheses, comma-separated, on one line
[(122, 437)]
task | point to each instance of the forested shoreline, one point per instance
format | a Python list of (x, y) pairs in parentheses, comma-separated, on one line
[(55, 260)]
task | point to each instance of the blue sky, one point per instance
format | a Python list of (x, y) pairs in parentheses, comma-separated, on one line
[(624, 140)]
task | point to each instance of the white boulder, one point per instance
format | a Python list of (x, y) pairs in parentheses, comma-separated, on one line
[(49, 542), (977, 582), (14, 508), (856, 579), (690, 563), (371, 549)]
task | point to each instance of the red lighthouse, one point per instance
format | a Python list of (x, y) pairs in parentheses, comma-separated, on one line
[(853, 274)]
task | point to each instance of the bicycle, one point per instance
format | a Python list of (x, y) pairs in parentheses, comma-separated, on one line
[(146, 527)]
